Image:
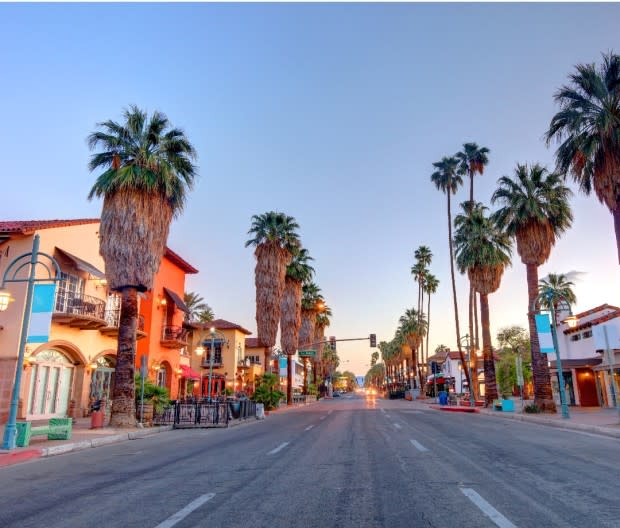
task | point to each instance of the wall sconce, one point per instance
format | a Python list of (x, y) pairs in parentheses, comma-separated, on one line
[(178, 371), (28, 359), (5, 299), (200, 350), (156, 367), (571, 321), (161, 302), (101, 283)]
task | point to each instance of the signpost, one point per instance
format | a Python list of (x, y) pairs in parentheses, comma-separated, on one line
[(306, 353), (606, 338)]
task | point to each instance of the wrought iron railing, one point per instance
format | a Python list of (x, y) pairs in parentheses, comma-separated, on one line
[(205, 414), (113, 317), (217, 360), (78, 304), (174, 333)]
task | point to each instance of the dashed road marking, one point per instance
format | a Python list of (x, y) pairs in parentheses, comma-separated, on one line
[(181, 514), (322, 417), (309, 427), (418, 445), (398, 426), (330, 411), (277, 449), (487, 509), (382, 410)]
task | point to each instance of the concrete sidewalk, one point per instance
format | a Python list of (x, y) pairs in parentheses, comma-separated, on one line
[(82, 437), (586, 419)]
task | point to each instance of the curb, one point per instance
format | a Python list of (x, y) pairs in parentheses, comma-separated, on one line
[(597, 429), (11, 458), (456, 409)]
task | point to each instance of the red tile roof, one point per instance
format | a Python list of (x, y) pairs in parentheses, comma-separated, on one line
[(592, 322), (252, 342), (27, 227), (222, 324), (597, 309)]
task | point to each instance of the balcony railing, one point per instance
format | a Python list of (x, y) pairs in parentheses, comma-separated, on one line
[(113, 317), (217, 360), (174, 336), (79, 311)]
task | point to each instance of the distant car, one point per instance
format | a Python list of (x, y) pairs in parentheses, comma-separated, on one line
[(336, 394)]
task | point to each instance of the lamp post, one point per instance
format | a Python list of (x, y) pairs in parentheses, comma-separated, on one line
[(472, 400), (10, 275), (211, 356), (550, 300)]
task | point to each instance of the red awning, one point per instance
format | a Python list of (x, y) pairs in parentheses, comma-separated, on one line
[(187, 372)]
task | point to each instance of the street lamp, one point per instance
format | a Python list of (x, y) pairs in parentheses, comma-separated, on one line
[(213, 333), (10, 275), (472, 401), (551, 300)]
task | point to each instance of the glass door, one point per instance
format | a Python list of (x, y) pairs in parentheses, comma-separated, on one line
[(50, 386)]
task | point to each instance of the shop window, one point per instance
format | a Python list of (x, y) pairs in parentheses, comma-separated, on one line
[(586, 334), (575, 337)]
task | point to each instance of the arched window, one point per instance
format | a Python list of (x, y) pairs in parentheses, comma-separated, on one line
[(161, 377)]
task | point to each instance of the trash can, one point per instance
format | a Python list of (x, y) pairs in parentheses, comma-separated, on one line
[(97, 414), (260, 411), (443, 398)]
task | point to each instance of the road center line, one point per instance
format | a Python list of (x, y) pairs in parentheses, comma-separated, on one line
[(330, 412), (322, 417), (277, 449), (181, 514), (387, 416), (418, 445), (487, 509), (398, 426), (309, 427), (382, 410)]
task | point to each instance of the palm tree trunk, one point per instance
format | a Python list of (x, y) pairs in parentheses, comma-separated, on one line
[(476, 325), (428, 328), (267, 357), (123, 412), (543, 395), (289, 379), (472, 354), (490, 382), (616, 213), (471, 188), (456, 308), (305, 375)]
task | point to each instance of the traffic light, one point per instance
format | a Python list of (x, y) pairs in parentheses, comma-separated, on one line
[(373, 340), (332, 342)]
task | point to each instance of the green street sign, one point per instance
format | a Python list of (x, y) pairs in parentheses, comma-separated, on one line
[(306, 353)]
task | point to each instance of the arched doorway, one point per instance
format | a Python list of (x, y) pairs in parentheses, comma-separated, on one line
[(50, 385), (102, 381), (163, 377)]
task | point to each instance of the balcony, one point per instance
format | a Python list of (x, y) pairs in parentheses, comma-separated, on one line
[(173, 337), (79, 311), (217, 361), (112, 319)]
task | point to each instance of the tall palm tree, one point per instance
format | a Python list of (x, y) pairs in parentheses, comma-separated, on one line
[(535, 211), (587, 127), (483, 251), (206, 315), (412, 329), (424, 257), (430, 286), (553, 288), (195, 304), (311, 303), (297, 272), (274, 235), (448, 178), (473, 160), (147, 171), (323, 320)]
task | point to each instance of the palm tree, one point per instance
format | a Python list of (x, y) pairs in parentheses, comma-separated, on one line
[(448, 178), (535, 212), (274, 235), (587, 127), (322, 321), (147, 171), (412, 329), (297, 272), (483, 251), (206, 315), (430, 286), (195, 304), (424, 257), (553, 288), (473, 160), (311, 303)]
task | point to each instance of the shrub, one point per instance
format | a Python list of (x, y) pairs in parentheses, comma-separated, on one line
[(266, 392), (532, 408), (154, 394)]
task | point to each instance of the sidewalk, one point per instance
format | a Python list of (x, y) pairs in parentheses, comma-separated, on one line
[(588, 419), (82, 437)]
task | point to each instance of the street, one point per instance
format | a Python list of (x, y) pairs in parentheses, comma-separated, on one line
[(347, 462)]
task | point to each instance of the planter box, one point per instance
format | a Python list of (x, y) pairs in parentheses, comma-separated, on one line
[(508, 406)]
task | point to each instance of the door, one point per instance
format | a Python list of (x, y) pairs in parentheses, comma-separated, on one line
[(50, 386), (102, 382)]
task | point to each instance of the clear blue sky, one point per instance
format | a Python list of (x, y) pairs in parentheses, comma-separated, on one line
[(330, 113)]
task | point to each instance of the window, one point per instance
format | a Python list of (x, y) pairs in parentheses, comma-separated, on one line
[(161, 377), (586, 334), (70, 287), (575, 337)]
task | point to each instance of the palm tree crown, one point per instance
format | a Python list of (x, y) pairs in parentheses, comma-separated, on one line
[(536, 210), (300, 269), (195, 304), (472, 160), (555, 287), (449, 176), (275, 229)]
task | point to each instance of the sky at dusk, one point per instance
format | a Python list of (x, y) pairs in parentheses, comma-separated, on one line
[(333, 114)]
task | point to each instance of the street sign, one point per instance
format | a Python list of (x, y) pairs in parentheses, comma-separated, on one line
[(373, 340), (306, 353), (545, 339)]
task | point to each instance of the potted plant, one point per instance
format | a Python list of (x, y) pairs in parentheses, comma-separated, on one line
[(266, 393), (156, 398)]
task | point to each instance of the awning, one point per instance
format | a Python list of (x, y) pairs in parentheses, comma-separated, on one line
[(176, 300), (188, 373), (82, 264)]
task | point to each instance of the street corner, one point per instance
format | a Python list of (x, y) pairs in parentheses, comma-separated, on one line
[(9, 458)]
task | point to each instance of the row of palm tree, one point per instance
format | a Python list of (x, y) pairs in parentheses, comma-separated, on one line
[(197, 309), (285, 294)]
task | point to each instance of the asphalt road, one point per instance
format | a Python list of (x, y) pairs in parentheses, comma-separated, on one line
[(347, 462)]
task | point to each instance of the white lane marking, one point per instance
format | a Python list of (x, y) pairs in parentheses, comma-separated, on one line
[(487, 509), (279, 448), (387, 416), (382, 410), (181, 514), (418, 445), (322, 417), (330, 412), (309, 427), (398, 426)]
